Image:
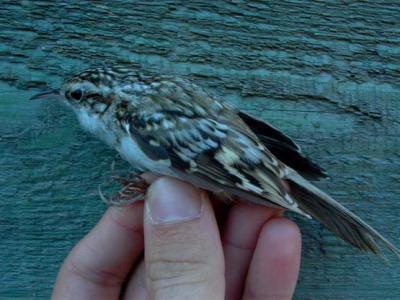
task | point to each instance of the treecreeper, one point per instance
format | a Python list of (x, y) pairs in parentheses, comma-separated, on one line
[(170, 126)]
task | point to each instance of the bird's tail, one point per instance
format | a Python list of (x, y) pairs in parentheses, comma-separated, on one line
[(337, 218)]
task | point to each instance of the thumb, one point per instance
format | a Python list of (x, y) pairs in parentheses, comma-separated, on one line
[(183, 252)]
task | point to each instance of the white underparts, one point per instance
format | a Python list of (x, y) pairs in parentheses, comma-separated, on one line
[(95, 125), (130, 151)]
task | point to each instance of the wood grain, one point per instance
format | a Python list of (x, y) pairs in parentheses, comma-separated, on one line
[(326, 72)]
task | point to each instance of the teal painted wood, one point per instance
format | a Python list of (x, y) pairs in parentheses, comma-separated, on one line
[(325, 72)]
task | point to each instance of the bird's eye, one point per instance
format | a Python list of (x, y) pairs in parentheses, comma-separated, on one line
[(77, 94)]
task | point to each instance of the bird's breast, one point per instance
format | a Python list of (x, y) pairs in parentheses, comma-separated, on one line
[(96, 125), (124, 143)]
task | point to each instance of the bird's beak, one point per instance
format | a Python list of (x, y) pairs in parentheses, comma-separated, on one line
[(45, 95)]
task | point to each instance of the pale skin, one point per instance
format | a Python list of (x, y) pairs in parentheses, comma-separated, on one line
[(253, 254)]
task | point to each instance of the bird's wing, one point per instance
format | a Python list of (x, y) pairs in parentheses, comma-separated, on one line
[(214, 145), (283, 147), (208, 141)]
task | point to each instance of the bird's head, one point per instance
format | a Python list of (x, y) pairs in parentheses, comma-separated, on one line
[(91, 89), (94, 89)]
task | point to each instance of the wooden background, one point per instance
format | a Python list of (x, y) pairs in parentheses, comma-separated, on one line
[(326, 72)]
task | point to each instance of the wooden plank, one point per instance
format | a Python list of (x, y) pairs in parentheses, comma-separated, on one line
[(324, 71)]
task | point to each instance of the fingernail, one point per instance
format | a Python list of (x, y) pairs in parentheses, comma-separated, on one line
[(172, 201)]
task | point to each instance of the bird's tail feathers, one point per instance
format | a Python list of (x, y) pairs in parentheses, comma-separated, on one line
[(337, 218)]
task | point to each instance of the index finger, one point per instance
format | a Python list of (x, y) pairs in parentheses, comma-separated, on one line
[(240, 235), (96, 268)]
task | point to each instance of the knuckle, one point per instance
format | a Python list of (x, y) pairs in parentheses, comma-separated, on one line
[(178, 261), (100, 277), (171, 273)]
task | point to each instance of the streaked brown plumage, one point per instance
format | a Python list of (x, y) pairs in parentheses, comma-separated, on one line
[(170, 126)]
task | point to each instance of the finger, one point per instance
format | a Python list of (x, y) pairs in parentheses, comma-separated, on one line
[(183, 251), (136, 287), (97, 266), (275, 264), (240, 236)]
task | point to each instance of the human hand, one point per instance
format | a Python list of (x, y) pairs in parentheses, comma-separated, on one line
[(255, 254)]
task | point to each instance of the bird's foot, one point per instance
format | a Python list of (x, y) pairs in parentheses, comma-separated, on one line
[(133, 189)]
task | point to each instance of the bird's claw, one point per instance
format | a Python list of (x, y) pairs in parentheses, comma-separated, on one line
[(133, 189)]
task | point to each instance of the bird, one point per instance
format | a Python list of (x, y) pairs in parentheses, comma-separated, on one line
[(170, 126)]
